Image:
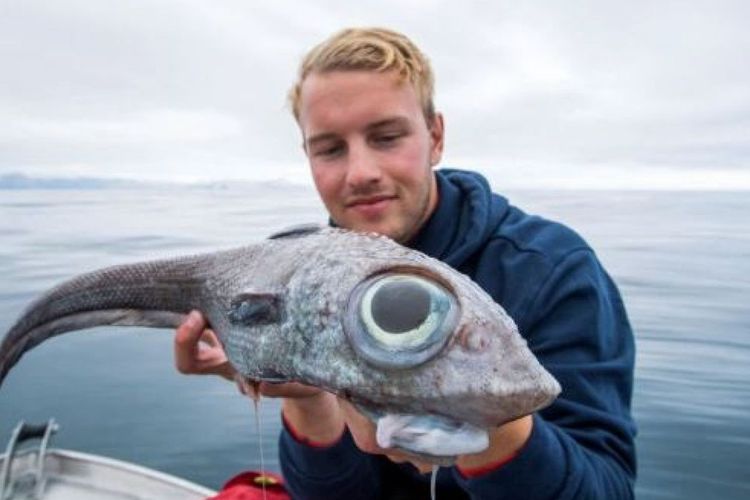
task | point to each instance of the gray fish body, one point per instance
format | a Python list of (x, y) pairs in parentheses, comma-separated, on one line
[(284, 310)]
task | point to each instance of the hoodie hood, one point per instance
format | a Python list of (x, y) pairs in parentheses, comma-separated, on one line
[(467, 215)]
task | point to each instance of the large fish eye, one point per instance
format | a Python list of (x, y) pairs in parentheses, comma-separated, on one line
[(400, 320)]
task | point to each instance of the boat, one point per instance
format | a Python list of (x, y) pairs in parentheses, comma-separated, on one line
[(43, 473)]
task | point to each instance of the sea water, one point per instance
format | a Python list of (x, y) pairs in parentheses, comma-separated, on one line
[(681, 260)]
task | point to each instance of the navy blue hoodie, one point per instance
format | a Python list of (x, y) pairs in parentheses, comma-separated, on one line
[(568, 309)]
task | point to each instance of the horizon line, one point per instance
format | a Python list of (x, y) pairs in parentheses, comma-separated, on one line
[(17, 180)]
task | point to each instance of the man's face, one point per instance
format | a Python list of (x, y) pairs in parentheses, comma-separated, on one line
[(371, 151)]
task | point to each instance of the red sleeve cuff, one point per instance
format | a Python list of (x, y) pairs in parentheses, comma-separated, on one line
[(471, 473), (305, 440)]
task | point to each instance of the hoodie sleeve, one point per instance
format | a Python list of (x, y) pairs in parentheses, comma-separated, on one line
[(581, 447), (327, 473)]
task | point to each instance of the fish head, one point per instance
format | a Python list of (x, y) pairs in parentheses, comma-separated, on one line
[(397, 332)]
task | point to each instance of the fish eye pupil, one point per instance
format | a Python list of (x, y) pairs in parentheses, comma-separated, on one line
[(400, 306)]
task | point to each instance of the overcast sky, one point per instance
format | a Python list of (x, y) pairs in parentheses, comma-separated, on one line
[(651, 94)]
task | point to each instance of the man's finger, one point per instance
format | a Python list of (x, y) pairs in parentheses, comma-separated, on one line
[(186, 341), (209, 337), (191, 329)]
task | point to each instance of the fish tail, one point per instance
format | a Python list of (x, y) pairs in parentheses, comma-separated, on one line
[(153, 294)]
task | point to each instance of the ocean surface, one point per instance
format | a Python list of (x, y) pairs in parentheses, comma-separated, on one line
[(681, 259)]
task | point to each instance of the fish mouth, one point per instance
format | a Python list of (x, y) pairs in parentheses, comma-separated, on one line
[(427, 438)]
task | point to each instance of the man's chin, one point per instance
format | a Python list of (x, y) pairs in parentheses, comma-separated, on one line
[(380, 227)]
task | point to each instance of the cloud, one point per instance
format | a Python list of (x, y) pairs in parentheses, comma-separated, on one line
[(129, 129), (582, 90)]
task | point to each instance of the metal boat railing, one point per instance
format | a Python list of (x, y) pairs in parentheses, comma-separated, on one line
[(35, 480)]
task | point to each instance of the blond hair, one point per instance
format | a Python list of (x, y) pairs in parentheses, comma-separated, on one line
[(370, 49)]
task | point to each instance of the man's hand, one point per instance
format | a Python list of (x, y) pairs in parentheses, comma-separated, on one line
[(197, 350), (313, 414)]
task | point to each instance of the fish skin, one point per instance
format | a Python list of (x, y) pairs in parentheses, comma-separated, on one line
[(485, 375)]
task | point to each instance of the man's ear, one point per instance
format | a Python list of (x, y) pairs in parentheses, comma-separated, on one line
[(437, 136)]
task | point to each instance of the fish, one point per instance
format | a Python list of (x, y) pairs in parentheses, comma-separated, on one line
[(414, 344)]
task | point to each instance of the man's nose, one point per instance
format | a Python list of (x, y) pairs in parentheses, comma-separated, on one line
[(363, 167)]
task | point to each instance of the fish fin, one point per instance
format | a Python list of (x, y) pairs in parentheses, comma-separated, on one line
[(253, 309), (296, 231)]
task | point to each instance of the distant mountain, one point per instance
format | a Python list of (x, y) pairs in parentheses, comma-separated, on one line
[(23, 181), (19, 181)]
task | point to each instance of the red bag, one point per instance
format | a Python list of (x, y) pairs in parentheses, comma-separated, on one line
[(249, 486)]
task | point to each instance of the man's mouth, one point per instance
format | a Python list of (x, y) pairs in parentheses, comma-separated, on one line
[(370, 206), (369, 200)]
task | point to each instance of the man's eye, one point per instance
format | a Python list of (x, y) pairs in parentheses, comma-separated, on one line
[(387, 139), (329, 152)]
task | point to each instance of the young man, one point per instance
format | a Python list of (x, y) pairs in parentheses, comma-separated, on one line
[(364, 105)]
